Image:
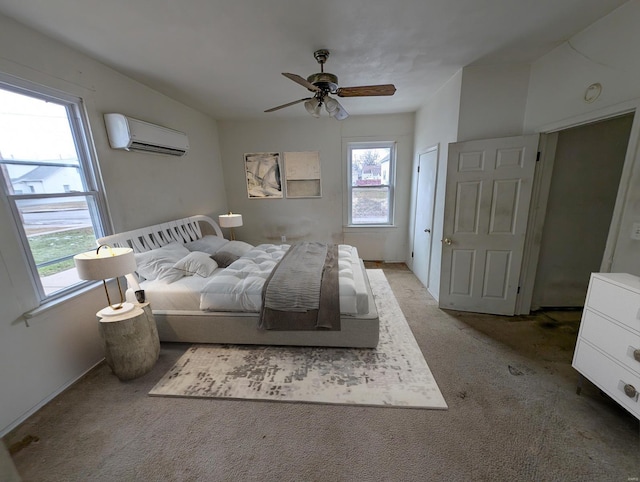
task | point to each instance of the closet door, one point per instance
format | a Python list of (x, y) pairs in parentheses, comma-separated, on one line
[(423, 224)]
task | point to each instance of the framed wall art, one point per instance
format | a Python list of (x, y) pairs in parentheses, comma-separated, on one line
[(302, 174), (262, 170)]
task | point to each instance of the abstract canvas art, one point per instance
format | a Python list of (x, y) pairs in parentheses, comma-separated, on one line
[(262, 170)]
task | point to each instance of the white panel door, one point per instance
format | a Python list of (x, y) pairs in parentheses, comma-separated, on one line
[(487, 200), (423, 224)]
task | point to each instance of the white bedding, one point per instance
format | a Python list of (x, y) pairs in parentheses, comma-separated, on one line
[(176, 306), (181, 295), (239, 286)]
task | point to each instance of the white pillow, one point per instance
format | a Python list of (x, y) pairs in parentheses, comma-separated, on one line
[(196, 263), (158, 263), (237, 248), (207, 244)]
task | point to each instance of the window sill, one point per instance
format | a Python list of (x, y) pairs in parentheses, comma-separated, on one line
[(51, 304), (374, 226)]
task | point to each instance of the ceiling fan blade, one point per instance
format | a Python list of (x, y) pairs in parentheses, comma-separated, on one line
[(302, 81), (366, 90), (288, 104)]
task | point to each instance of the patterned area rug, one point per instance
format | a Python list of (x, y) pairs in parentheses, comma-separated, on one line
[(393, 374)]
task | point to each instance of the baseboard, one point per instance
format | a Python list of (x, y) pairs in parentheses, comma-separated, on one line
[(37, 407)]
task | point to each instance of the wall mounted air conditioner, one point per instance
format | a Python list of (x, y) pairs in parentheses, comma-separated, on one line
[(136, 135)]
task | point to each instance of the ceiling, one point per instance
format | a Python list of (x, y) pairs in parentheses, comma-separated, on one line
[(225, 57)]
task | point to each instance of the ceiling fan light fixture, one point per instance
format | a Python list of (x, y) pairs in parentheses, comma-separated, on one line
[(332, 106), (340, 114), (313, 107)]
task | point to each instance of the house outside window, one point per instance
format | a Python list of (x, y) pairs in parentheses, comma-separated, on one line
[(371, 183), (50, 180)]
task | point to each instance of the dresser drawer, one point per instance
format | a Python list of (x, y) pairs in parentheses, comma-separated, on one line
[(616, 302), (610, 377), (612, 339)]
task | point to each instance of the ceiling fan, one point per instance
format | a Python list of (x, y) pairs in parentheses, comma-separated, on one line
[(323, 83)]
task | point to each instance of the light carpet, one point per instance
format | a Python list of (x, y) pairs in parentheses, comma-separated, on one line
[(395, 374)]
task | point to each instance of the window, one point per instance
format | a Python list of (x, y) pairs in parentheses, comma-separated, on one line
[(49, 179), (371, 168)]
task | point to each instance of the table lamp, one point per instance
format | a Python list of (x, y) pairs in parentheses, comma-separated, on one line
[(105, 263), (230, 221)]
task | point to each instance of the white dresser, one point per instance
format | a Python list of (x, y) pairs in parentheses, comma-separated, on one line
[(608, 346)]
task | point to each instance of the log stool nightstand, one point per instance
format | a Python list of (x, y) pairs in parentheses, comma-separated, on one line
[(131, 341)]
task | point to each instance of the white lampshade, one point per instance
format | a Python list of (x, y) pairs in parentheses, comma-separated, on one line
[(313, 107), (230, 220), (105, 263), (332, 106), (339, 113)]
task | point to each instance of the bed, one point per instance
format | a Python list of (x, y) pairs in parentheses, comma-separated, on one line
[(200, 301)]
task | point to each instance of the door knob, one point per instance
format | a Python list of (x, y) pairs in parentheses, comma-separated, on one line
[(447, 241), (427, 230), (630, 391)]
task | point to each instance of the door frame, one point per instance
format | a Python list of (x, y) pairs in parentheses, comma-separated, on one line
[(535, 223), (542, 186), (435, 147)]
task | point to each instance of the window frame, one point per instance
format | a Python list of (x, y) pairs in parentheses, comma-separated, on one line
[(377, 144), (88, 169)]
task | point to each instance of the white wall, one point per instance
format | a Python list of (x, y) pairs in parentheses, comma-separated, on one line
[(322, 219), (436, 123), (606, 52), (492, 101), (39, 360)]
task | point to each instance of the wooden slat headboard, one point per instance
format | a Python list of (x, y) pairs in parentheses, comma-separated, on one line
[(151, 237)]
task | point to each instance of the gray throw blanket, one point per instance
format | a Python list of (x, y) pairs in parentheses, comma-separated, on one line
[(302, 292)]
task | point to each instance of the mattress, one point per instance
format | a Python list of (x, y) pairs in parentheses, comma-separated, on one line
[(183, 294), (238, 288)]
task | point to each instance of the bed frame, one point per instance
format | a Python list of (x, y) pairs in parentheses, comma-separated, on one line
[(235, 328)]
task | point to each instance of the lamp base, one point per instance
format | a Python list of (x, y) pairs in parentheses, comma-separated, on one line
[(109, 311)]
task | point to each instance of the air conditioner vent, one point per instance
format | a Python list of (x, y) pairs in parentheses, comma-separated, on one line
[(140, 146), (137, 135)]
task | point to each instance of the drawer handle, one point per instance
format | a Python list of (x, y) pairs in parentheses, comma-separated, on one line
[(636, 354), (630, 391)]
